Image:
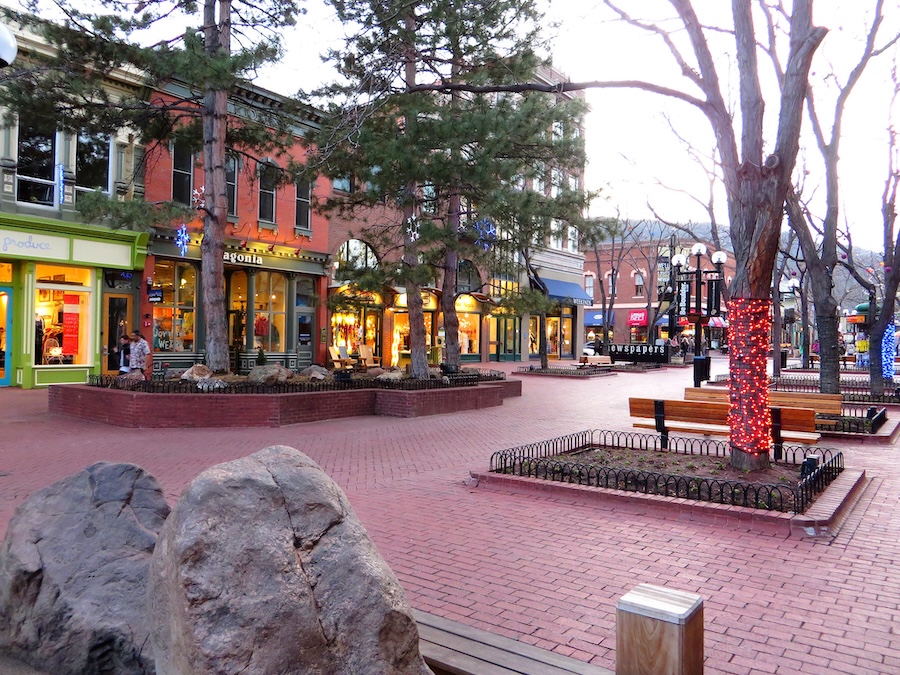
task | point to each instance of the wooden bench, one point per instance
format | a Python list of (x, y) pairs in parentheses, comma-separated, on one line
[(797, 425), (823, 404), (452, 648), (589, 361)]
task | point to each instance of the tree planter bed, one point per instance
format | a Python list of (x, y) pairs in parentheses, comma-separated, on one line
[(127, 408)]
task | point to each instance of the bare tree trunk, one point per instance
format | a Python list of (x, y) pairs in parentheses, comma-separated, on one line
[(417, 347), (542, 340), (214, 116), (805, 342), (448, 302)]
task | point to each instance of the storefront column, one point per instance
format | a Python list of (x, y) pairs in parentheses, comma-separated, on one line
[(199, 313), (290, 329), (251, 310)]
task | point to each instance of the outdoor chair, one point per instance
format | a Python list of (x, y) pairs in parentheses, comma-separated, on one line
[(340, 363), (346, 358), (368, 358)]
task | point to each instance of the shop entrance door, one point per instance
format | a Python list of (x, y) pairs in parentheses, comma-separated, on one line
[(6, 334), (117, 321), (305, 331), (504, 338)]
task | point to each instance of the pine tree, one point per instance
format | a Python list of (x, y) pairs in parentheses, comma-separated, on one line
[(446, 161), (69, 88)]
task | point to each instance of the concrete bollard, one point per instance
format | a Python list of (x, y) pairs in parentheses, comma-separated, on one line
[(659, 631)]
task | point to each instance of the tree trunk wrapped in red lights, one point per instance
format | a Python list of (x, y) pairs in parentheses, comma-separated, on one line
[(750, 419)]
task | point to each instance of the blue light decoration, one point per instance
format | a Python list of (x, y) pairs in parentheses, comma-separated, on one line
[(888, 349), (182, 239), (487, 233)]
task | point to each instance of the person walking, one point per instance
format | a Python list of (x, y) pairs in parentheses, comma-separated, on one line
[(124, 350), (140, 354)]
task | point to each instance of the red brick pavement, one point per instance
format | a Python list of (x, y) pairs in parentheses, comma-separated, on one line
[(542, 568)]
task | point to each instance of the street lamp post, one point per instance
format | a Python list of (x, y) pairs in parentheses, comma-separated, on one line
[(683, 282)]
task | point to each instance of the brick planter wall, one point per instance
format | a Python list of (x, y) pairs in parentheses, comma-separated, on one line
[(138, 409)]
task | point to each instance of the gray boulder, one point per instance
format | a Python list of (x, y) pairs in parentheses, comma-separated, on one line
[(73, 573), (272, 373), (315, 371), (197, 372), (264, 568)]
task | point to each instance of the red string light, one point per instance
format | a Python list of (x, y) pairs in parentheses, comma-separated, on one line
[(748, 321)]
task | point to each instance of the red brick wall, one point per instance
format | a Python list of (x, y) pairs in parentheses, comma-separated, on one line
[(137, 409)]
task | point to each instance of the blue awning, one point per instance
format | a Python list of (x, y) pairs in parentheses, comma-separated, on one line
[(594, 319), (568, 292)]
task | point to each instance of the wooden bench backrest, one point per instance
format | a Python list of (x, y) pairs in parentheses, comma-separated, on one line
[(828, 404), (681, 411), (701, 412)]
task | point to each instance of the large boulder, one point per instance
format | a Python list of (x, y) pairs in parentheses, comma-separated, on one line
[(264, 568), (197, 372), (272, 373), (73, 573)]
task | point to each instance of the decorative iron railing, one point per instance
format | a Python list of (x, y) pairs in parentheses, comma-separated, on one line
[(581, 371), (541, 460)]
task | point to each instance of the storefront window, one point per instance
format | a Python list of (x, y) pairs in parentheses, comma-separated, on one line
[(360, 325), (469, 324), (62, 315), (559, 335), (174, 292), (269, 321)]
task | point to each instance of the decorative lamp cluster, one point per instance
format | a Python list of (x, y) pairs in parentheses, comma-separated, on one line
[(749, 329)]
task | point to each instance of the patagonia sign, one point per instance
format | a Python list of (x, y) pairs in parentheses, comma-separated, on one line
[(242, 258)]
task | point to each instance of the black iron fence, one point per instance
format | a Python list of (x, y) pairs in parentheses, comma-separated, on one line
[(541, 460), (219, 386), (568, 371)]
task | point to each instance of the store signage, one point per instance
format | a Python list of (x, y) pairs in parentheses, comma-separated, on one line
[(155, 295), (242, 258), (640, 353), (71, 316), (32, 245)]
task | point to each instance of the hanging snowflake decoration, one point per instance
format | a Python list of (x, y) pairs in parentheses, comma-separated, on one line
[(888, 349), (182, 239), (198, 197), (412, 228), (487, 234)]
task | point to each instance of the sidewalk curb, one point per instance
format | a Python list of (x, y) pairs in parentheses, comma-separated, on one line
[(822, 519)]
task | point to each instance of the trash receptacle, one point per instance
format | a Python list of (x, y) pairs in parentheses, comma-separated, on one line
[(784, 358), (701, 369)]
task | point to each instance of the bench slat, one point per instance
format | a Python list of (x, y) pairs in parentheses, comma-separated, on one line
[(824, 404), (459, 649)]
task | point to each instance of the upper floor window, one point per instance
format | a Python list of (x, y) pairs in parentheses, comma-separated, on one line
[(538, 183), (559, 131), (91, 163), (268, 180), (355, 254), (36, 161), (467, 277), (301, 217), (342, 184), (639, 285), (589, 285), (556, 235), (182, 173), (572, 239), (231, 172)]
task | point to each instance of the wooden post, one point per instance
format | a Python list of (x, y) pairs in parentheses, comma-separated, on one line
[(659, 631)]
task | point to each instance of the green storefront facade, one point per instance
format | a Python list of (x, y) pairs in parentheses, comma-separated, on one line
[(66, 291)]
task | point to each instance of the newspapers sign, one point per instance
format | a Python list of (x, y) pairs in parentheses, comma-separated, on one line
[(639, 353)]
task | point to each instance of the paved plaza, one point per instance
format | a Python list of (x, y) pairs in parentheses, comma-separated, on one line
[(543, 568)]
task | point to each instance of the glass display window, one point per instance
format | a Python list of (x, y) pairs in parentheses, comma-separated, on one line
[(173, 316), (269, 311), (62, 315), (469, 324)]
